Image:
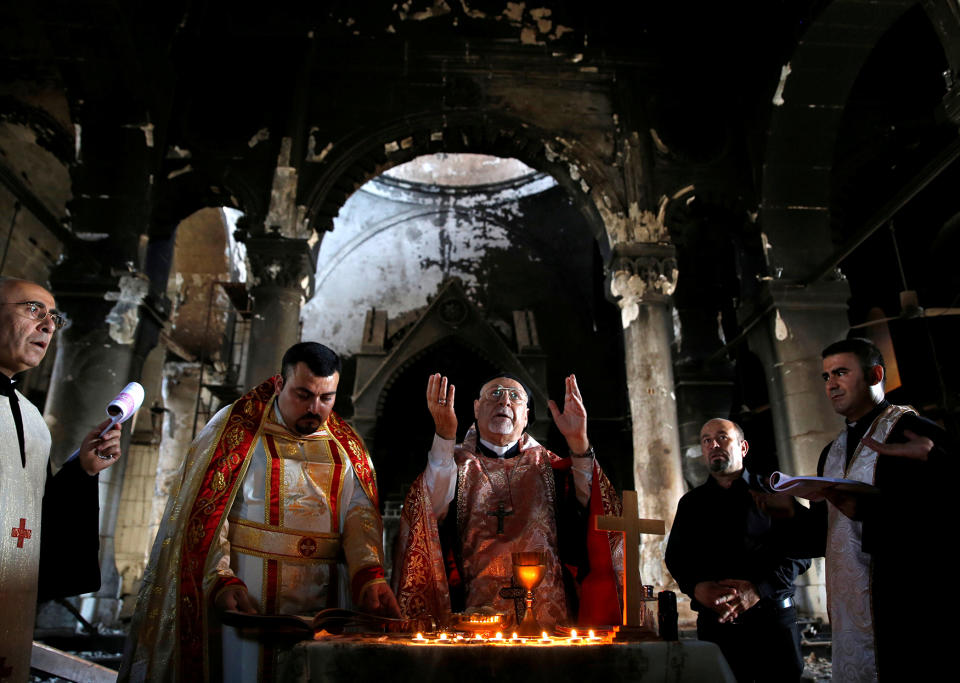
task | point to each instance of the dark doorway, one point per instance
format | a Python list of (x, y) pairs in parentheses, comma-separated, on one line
[(404, 429)]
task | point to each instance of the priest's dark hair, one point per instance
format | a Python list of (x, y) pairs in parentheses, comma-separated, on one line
[(321, 360), (867, 353)]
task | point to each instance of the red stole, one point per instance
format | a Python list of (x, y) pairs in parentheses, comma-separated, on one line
[(214, 497)]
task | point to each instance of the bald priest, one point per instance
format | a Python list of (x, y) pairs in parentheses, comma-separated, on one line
[(501, 492)]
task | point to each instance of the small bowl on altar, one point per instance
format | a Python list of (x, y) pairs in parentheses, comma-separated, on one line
[(480, 623)]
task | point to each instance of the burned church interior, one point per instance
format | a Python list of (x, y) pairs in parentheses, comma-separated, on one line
[(682, 203)]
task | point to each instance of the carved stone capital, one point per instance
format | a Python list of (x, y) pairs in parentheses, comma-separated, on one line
[(280, 262), (642, 273)]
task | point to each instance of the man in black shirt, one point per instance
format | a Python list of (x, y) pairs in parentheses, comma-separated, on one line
[(722, 554)]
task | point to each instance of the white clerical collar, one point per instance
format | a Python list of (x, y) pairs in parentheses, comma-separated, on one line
[(499, 450)]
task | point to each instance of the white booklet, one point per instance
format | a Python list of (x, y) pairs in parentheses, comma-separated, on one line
[(812, 488)]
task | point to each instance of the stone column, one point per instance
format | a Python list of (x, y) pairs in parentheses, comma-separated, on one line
[(788, 328), (282, 270), (644, 276), (133, 537), (96, 357)]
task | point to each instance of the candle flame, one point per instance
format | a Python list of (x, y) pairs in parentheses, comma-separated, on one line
[(419, 637), (443, 636), (498, 636), (591, 634), (573, 633)]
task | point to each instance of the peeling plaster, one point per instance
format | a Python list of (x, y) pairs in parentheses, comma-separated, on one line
[(778, 100), (514, 11), (472, 13), (439, 8), (658, 143), (528, 36), (125, 315), (259, 136), (148, 134), (283, 212), (180, 171), (430, 236), (780, 330)]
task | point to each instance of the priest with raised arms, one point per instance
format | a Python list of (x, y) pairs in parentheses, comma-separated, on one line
[(501, 492)]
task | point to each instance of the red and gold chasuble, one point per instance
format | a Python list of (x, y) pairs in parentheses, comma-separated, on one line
[(284, 496), (525, 486)]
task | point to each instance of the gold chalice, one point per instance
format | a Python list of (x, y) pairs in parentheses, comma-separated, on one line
[(528, 570)]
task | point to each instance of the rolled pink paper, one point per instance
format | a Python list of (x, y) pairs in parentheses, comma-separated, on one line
[(124, 405)]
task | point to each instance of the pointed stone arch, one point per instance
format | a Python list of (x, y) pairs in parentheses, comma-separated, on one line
[(451, 315)]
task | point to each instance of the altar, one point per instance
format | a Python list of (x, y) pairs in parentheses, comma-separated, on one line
[(384, 658)]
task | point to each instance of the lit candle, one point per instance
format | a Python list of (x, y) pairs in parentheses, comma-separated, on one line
[(443, 636), (591, 635), (515, 637), (544, 638), (498, 636), (420, 637)]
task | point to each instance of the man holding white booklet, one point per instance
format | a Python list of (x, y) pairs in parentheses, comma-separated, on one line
[(880, 538)]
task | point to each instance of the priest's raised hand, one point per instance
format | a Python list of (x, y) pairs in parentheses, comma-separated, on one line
[(440, 404), (572, 422)]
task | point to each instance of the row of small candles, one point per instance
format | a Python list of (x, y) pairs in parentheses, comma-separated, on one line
[(499, 639)]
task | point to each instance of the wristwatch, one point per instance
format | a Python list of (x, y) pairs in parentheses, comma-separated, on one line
[(589, 453)]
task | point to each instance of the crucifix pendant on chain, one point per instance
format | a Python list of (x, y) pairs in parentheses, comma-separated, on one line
[(500, 513)]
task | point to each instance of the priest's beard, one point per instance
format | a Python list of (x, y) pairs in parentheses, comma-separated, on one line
[(308, 424), (501, 425), (719, 465)]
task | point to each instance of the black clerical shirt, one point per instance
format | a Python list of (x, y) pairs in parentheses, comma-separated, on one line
[(718, 534), (7, 389)]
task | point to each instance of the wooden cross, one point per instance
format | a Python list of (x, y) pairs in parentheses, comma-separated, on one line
[(631, 526), (500, 513), (22, 533)]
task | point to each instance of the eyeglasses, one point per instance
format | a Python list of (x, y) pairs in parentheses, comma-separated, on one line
[(38, 311), (496, 393)]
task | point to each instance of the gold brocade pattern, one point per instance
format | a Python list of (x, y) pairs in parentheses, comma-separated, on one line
[(524, 485), (849, 598), (305, 490), (418, 567), (419, 572)]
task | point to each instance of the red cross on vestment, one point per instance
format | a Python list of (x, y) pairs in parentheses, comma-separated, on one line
[(22, 533)]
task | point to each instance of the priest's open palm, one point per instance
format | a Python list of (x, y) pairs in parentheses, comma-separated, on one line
[(440, 405), (572, 422)]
